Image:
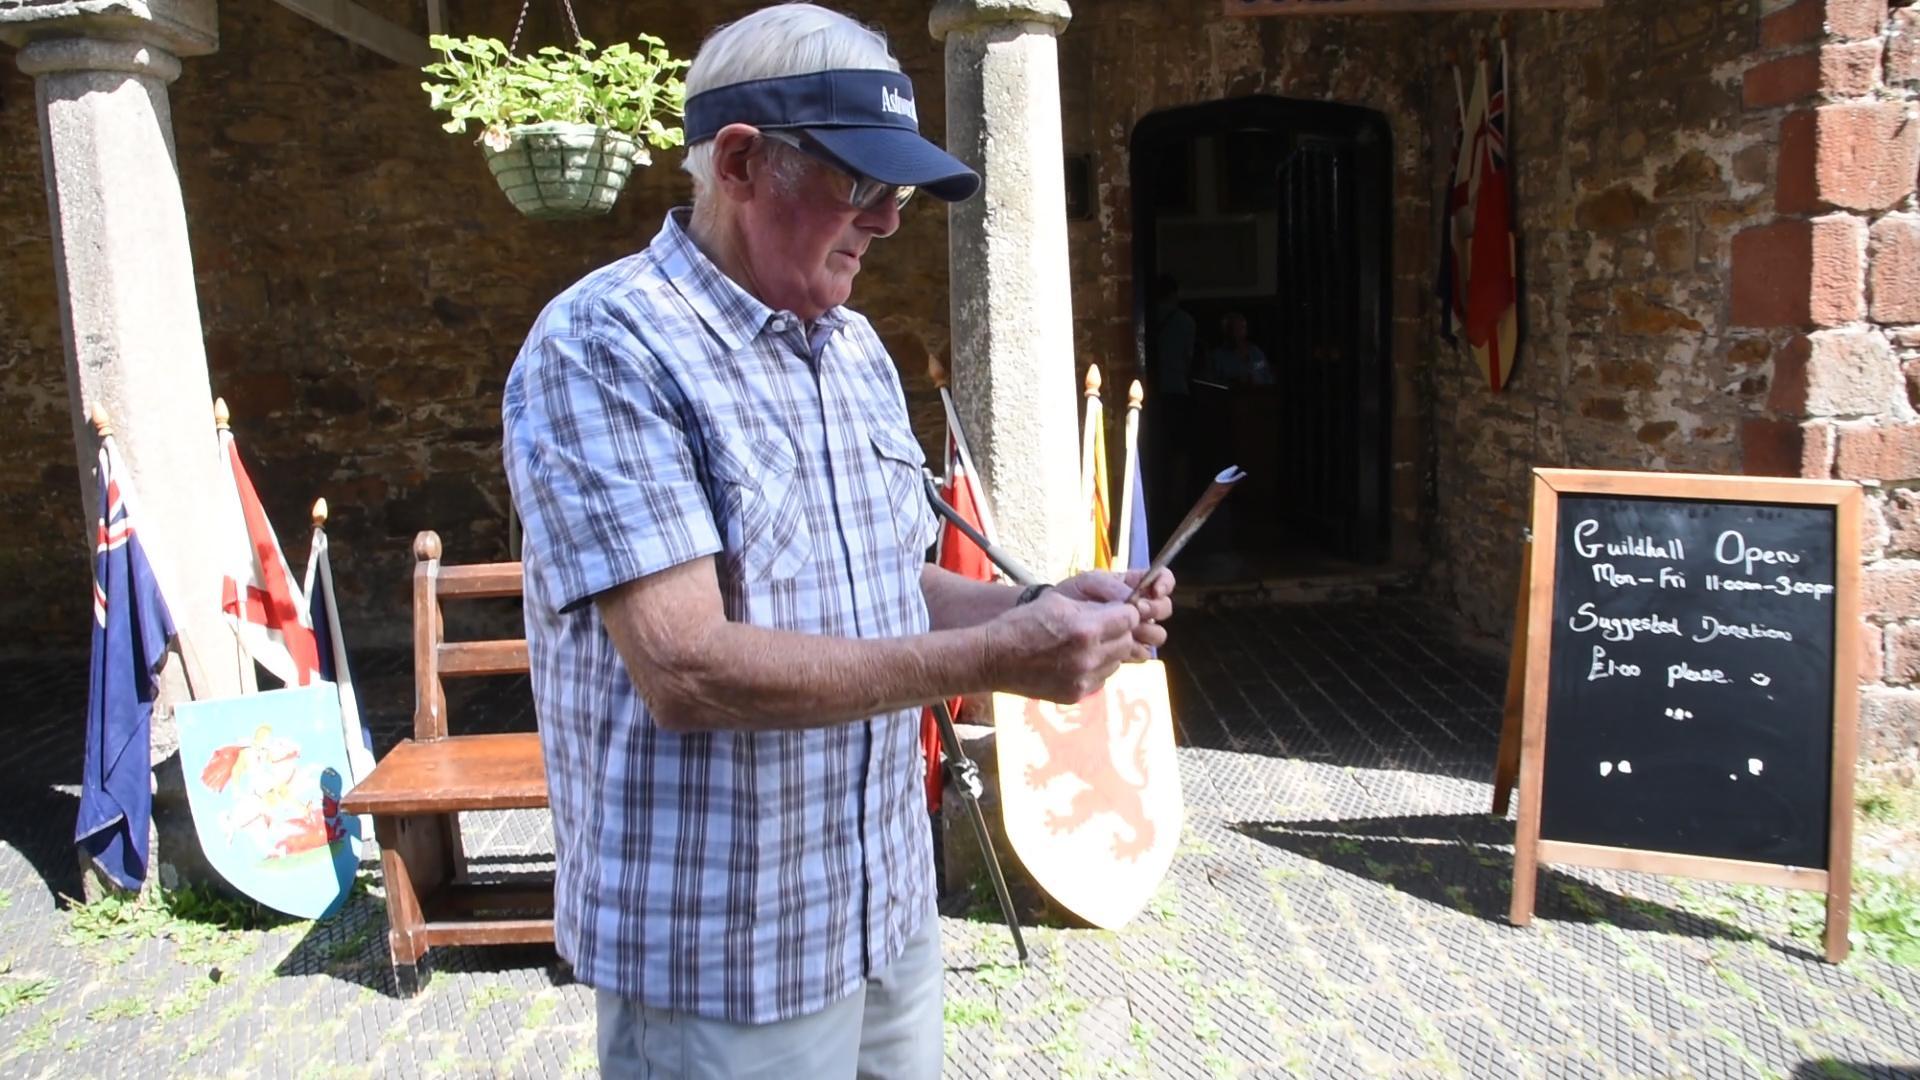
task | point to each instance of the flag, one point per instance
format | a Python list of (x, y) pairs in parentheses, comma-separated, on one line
[(1095, 550), (131, 628), (323, 613), (1460, 199), (1447, 283), (257, 591), (1099, 516), (1131, 543), (956, 552), (1491, 293), (1139, 551)]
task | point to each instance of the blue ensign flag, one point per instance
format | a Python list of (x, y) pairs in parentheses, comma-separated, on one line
[(330, 667), (131, 628)]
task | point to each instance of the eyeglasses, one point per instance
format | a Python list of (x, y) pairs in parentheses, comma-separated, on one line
[(866, 193)]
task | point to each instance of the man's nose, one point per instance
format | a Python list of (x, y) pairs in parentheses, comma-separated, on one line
[(882, 220)]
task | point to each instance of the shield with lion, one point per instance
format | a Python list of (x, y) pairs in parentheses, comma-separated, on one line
[(1090, 792)]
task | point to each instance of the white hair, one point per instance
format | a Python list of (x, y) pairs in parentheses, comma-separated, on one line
[(786, 39)]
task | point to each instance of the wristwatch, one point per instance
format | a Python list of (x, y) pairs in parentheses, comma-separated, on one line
[(1031, 593)]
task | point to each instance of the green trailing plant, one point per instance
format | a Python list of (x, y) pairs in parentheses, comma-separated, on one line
[(633, 88)]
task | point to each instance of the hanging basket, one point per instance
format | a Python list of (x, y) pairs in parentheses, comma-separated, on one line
[(557, 172)]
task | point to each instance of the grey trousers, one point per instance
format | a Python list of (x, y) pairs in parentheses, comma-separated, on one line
[(888, 1029)]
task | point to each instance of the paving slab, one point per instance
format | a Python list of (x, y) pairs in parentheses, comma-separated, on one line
[(1336, 909)]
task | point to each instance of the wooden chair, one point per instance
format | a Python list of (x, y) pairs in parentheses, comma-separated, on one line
[(416, 793)]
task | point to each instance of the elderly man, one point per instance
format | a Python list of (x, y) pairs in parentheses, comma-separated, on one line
[(730, 616)]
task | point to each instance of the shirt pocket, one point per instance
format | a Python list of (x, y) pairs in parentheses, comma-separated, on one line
[(900, 464), (763, 511)]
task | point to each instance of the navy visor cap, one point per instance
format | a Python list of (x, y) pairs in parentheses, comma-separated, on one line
[(866, 118)]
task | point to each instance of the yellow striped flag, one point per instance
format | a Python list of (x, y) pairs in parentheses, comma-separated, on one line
[(1097, 552)]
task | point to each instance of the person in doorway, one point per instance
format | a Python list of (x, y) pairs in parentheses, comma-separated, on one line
[(1174, 337), (1237, 361), (730, 621)]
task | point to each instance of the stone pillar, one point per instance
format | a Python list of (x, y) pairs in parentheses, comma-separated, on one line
[(130, 318), (1013, 364)]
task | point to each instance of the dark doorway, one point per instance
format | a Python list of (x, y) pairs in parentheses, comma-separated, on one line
[(1271, 215)]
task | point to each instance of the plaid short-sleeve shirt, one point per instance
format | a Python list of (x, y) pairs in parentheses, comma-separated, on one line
[(659, 413)]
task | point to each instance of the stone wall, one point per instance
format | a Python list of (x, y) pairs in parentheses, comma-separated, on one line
[(1835, 269), (1715, 200), (1634, 167), (364, 287), (44, 543)]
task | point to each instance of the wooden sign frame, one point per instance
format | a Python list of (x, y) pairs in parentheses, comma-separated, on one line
[(1530, 851), (1253, 9)]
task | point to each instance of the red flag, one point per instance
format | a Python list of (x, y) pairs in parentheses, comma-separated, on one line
[(259, 595), (1491, 291), (964, 557)]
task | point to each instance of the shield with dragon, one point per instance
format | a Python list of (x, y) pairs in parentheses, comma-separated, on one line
[(1090, 792), (265, 773)]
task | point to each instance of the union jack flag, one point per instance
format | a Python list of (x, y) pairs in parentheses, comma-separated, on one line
[(1492, 292), (131, 629), (1448, 284)]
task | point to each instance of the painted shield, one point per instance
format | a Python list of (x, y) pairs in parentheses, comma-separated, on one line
[(1091, 792), (265, 773)]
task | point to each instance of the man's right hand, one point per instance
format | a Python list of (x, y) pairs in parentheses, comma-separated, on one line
[(1058, 648)]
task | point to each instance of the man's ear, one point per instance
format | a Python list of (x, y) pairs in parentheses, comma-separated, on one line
[(736, 160)]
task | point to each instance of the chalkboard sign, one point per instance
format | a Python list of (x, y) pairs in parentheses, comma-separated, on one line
[(1690, 689)]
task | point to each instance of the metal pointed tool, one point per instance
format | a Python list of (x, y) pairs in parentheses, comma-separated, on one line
[(1008, 565), (960, 768), (966, 779)]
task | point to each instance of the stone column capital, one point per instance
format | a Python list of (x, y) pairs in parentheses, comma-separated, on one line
[(950, 16), (98, 54), (180, 27)]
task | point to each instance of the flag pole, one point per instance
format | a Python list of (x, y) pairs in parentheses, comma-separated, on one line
[(320, 576), (315, 543), (937, 371), (243, 660), (1123, 545), (1460, 99)]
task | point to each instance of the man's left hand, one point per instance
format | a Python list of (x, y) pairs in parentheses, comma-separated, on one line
[(1107, 587)]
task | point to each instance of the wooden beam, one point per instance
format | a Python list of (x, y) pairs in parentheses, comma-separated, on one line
[(1253, 8), (364, 28)]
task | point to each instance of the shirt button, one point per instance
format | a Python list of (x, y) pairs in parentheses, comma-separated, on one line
[(782, 324)]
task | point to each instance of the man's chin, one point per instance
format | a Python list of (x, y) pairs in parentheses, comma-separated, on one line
[(834, 297)]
